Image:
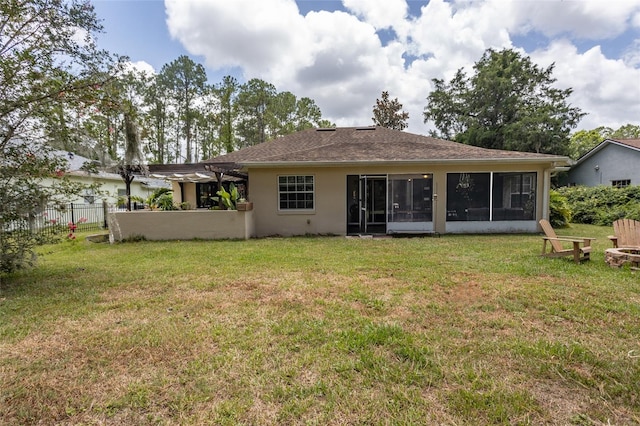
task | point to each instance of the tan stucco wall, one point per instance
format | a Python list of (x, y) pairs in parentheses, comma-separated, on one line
[(177, 192), (189, 195), (182, 224), (185, 192), (329, 216)]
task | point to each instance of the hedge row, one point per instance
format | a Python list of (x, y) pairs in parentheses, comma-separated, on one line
[(599, 205)]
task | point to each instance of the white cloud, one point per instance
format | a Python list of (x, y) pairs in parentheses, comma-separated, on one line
[(585, 19), (455, 37), (635, 20), (607, 89), (81, 36), (381, 14), (631, 54), (338, 59), (255, 35), (140, 66)]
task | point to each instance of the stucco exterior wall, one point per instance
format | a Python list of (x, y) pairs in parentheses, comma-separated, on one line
[(189, 194), (184, 192), (612, 162), (330, 213), (182, 225)]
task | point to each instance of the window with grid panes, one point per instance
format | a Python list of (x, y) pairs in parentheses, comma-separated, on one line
[(296, 192), (621, 183)]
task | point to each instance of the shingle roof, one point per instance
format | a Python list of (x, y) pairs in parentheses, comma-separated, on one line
[(634, 143), (367, 145)]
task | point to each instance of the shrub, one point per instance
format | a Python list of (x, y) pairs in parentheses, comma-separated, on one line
[(165, 202), (122, 200), (230, 198), (559, 210), (162, 198), (601, 205)]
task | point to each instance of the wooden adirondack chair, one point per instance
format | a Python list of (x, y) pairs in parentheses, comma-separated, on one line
[(580, 246), (626, 233)]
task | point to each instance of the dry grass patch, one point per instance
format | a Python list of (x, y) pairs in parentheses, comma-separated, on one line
[(319, 331)]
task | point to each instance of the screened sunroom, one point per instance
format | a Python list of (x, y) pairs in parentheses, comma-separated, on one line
[(499, 197)]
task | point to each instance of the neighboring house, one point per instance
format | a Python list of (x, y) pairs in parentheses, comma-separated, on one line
[(613, 162), (375, 180), (80, 169)]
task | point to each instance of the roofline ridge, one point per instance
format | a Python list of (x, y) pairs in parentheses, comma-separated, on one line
[(601, 146)]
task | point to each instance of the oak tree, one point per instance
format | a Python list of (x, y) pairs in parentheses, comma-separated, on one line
[(49, 66), (508, 102)]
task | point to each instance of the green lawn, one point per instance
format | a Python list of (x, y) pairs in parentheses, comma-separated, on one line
[(457, 330)]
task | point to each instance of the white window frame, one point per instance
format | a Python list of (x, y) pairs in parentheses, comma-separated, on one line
[(296, 189), (620, 183), (527, 184)]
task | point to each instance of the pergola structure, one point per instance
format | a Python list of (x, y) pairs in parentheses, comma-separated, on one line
[(199, 173)]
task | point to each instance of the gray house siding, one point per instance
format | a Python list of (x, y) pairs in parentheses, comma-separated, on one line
[(606, 164)]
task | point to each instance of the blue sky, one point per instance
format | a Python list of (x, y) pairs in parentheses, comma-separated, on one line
[(137, 28), (344, 53)]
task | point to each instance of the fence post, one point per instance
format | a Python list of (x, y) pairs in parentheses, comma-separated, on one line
[(105, 212), (73, 219)]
